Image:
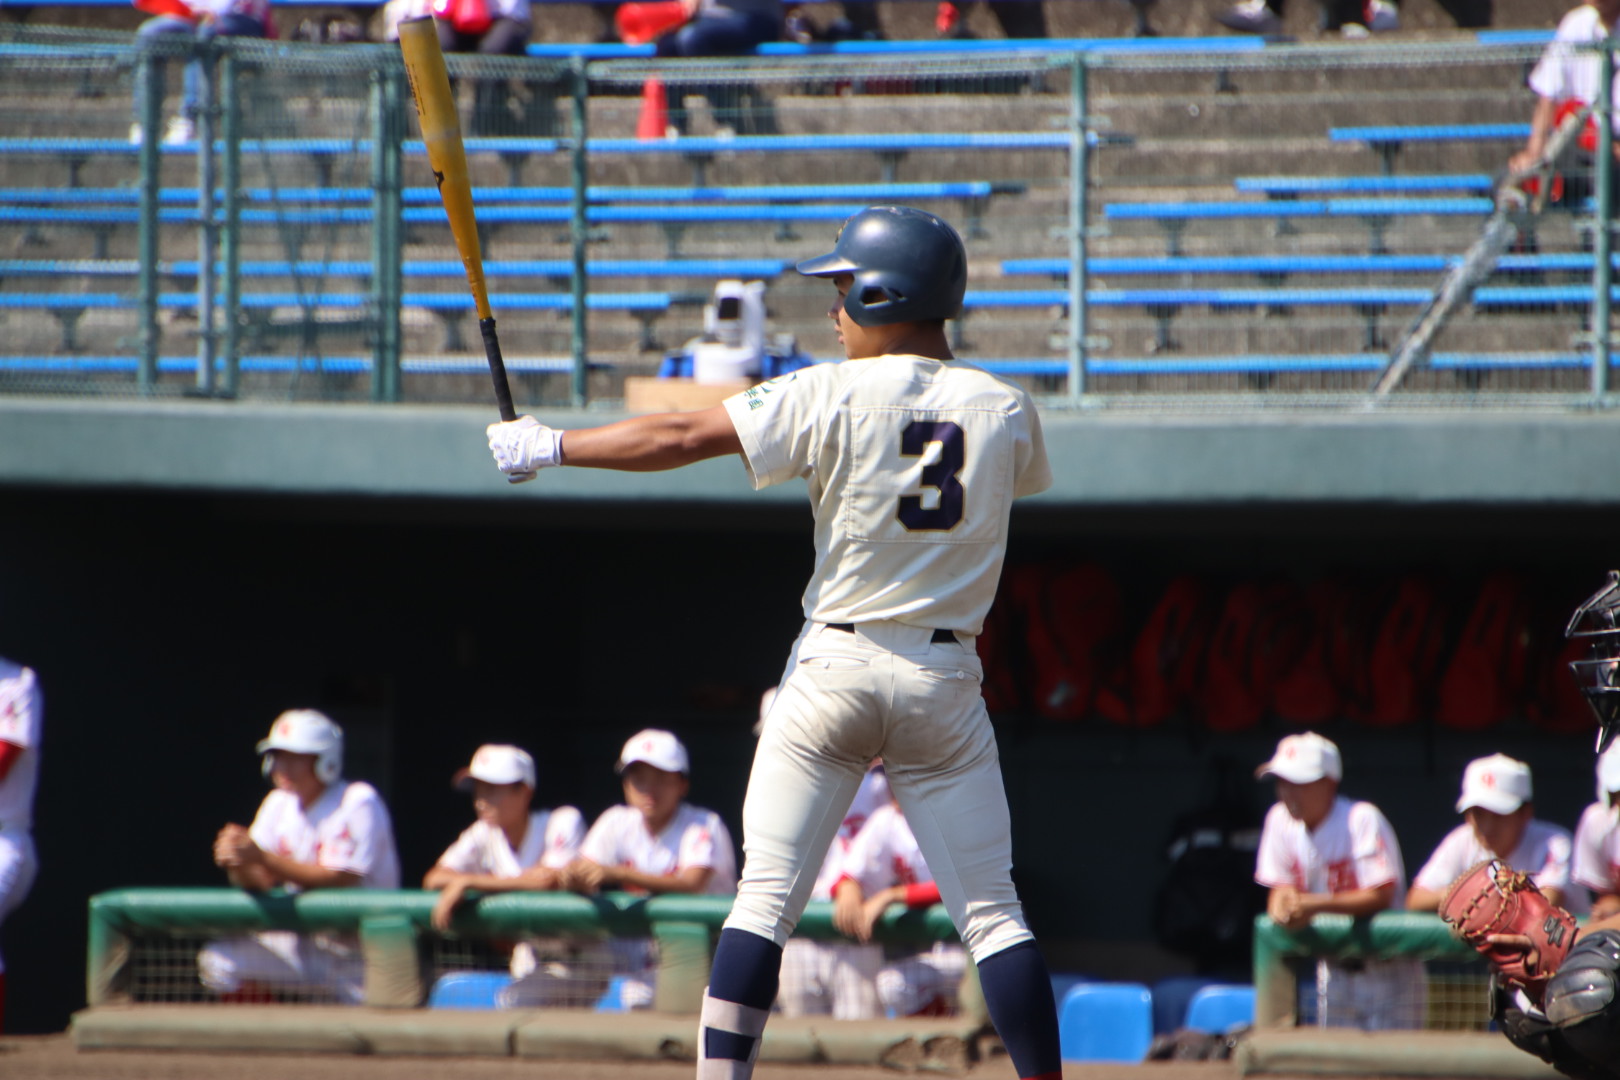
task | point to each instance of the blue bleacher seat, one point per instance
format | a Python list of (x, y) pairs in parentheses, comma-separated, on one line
[(1062, 981), (468, 990), (1106, 1022), (1171, 996), (1218, 1009)]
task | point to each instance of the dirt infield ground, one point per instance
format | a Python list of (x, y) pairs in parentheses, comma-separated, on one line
[(52, 1057)]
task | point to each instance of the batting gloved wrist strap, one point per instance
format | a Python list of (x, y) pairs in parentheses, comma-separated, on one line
[(524, 445)]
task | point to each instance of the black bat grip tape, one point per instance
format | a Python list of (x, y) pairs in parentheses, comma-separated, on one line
[(497, 368)]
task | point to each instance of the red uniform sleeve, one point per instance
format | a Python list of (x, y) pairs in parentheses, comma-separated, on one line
[(9, 753), (922, 894)]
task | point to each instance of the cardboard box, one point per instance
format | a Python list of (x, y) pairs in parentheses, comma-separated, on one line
[(649, 394)]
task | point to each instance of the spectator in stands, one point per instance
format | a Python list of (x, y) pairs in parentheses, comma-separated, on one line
[(201, 21), (883, 866), (1018, 18), (655, 843), (1565, 79), (1499, 823), (1351, 18), (512, 848), (21, 714), (723, 28), (314, 831), (836, 978), (1597, 839), (1322, 853)]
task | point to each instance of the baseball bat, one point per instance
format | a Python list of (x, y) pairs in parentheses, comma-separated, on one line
[(441, 131)]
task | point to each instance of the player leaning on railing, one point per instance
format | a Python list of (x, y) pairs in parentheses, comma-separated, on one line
[(21, 713), (1556, 985), (913, 461)]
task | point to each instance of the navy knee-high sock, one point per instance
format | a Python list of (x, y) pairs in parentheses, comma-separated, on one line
[(1018, 993), (743, 982)]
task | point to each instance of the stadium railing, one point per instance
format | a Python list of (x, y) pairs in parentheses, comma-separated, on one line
[(129, 927), (1075, 145)]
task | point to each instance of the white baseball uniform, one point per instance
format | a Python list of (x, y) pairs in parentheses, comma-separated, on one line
[(1353, 848), (348, 828), (1544, 854), (545, 971), (1566, 72), (693, 837), (836, 977), (885, 853), (912, 466), (1596, 863), (21, 714)]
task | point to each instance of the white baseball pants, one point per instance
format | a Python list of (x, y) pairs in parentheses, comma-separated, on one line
[(909, 985), (18, 867), (830, 978), (1383, 995), (885, 690), (287, 961)]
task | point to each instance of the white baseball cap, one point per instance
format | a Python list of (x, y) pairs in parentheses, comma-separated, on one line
[(1497, 783), (1608, 771), (302, 731), (1303, 759), (660, 749), (497, 763)]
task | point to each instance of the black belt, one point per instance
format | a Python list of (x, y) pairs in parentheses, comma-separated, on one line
[(941, 637)]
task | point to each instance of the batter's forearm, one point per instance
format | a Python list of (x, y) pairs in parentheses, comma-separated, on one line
[(652, 443)]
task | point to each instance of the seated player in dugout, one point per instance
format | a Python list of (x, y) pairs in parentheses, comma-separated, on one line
[(656, 843), (1499, 822), (314, 831), (1323, 853), (1597, 839), (883, 866), (513, 847), (911, 463)]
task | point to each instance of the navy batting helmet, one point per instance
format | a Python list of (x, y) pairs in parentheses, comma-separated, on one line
[(909, 266)]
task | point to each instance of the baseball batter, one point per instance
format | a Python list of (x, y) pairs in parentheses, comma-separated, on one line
[(881, 867), (1597, 839), (837, 978), (1500, 824), (511, 848), (912, 461), (1322, 853), (314, 831), (21, 713)]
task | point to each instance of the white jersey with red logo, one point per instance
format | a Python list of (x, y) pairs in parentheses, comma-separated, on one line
[(1544, 854), (1353, 848), (693, 837), (552, 840), (912, 466), (872, 795), (1567, 72), (1597, 849), (347, 828), (885, 853), (20, 716)]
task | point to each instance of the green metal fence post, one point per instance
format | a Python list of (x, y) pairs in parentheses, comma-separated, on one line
[(108, 950), (207, 224), (579, 232), (683, 966), (1603, 237), (231, 235), (151, 97), (1078, 171), (387, 208)]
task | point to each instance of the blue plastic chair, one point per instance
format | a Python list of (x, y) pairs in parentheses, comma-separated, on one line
[(1106, 1022), (1218, 1009), (1171, 997), (1062, 981), (468, 990), (612, 999)]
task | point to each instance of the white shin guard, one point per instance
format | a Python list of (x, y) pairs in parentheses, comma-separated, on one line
[(734, 1019)]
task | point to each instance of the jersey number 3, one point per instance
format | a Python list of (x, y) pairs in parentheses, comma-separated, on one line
[(943, 475)]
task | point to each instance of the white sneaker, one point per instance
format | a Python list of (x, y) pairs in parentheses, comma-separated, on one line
[(1354, 31), (180, 130), (1382, 16), (1250, 17), (136, 136)]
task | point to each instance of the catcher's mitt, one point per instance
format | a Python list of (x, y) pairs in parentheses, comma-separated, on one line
[(1492, 898)]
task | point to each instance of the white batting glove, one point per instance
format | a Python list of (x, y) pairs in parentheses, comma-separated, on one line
[(523, 447)]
